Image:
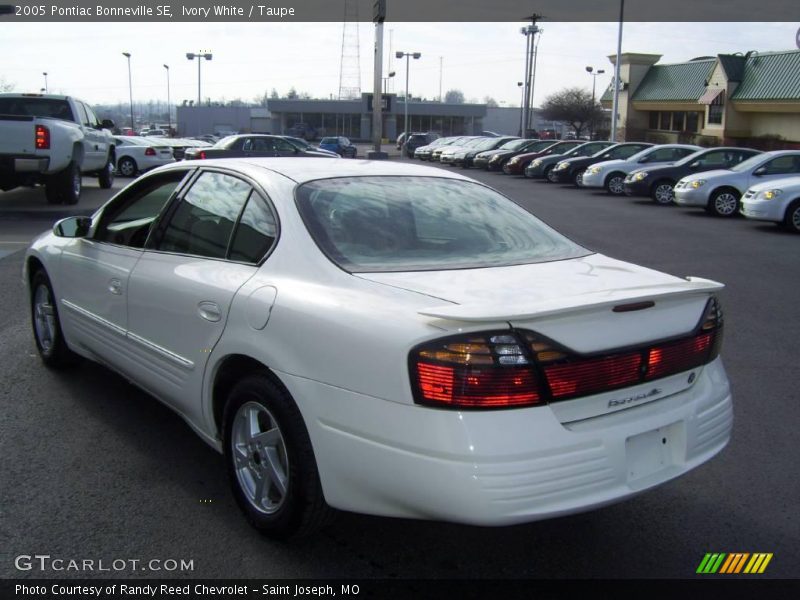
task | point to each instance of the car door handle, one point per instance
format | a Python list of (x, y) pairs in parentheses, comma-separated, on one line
[(210, 311), (115, 287)]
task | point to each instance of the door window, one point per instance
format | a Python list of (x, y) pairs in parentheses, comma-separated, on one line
[(255, 232), (284, 146), (203, 222), (783, 164), (129, 219)]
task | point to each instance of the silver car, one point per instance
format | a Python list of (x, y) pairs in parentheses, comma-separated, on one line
[(720, 191)]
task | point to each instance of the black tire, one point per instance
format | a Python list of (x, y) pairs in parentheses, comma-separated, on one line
[(71, 183), (301, 508), (791, 220), (577, 179), (127, 167), (724, 203), (52, 190), (663, 192), (550, 175), (615, 184), (46, 325), (106, 177)]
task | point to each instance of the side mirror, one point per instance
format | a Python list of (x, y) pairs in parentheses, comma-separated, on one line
[(72, 227), (695, 164), (760, 171), (107, 124), (644, 159)]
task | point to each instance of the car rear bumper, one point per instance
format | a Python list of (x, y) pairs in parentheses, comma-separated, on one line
[(509, 466)]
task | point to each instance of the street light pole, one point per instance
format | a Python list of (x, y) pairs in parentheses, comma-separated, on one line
[(169, 106), (199, 56), (594, 74), (45, 82), (407, 56), (521, 85), (615, 108), (130, 89)]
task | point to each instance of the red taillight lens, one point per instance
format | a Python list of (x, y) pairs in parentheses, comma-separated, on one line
[(42, 138), (521, 368), (475, 371), (150, 152), (201, 155)]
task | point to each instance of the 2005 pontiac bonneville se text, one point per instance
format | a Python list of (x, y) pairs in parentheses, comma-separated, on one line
[(387, 339)]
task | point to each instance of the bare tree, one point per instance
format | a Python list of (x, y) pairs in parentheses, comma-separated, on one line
[(6, 86), (573, 106), (454, 97)]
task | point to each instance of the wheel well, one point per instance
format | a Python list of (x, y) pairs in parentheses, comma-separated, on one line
[(725, 187), (660, 181), (77, 154), (233, 368), (34, 266), (614, 173)]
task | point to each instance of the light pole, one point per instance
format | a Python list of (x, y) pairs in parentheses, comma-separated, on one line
[(520, 85), (386, 81), (594, 74), (529, 32), (45, 82), (130, 89), (199, 56), (169, 106), (407, 55)]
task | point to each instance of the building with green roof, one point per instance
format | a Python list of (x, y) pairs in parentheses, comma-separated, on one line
[(751, 98)]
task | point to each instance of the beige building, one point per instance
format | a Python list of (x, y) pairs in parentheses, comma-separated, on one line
[(751, 99)]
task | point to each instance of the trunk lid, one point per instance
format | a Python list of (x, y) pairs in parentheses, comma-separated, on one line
[(18, 135)]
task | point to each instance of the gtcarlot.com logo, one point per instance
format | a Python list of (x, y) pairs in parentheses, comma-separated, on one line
[(45, 562), (734, 563)]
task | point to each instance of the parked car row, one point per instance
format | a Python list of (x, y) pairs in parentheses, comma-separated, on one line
[(725, 181)]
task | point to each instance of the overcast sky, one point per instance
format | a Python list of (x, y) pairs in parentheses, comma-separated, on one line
[(85, 59)]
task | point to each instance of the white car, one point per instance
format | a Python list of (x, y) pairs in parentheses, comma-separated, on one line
[(610, 174), (137, 154), (386, 338), (777, 201), (720, 191)]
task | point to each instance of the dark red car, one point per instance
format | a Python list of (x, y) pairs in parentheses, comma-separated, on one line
[(516, 166)]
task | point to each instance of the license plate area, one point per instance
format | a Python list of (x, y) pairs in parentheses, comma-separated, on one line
[(654, 451)]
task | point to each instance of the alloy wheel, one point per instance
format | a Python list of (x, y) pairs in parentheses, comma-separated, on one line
[(725, 204), (664, 193), (44, 318)]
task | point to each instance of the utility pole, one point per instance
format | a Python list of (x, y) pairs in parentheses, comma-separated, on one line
[(378, 17), (615, 107), (529, 32), (440, 79)]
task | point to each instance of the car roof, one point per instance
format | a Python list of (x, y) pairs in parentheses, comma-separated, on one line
[(302, 170)]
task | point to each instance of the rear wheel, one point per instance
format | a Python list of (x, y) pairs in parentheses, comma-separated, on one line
[(663, 193), (127, 167), (270, 460), (724, 203), (46, 325)]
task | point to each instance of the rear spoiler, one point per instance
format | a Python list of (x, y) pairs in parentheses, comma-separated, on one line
[(572, 304)]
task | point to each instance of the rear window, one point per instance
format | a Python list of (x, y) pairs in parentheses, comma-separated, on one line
[(329, 140), (36, 107), (380, 224)]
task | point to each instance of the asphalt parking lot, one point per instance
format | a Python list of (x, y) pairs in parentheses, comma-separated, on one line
[(92, 468)]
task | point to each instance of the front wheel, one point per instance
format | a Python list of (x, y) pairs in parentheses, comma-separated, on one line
[(578, 179), (615, 184), (106, 177), (46, 325), (550, 175), (663, 193), (724, 203), (792, 218), (270, 461)]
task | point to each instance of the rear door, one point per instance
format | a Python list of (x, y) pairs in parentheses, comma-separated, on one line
[(182, 287)]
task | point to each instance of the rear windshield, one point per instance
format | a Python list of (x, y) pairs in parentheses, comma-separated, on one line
[(329, 140), (36, 107), (379, 224)]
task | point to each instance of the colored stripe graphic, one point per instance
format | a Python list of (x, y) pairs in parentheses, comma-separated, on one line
[(733, 563)]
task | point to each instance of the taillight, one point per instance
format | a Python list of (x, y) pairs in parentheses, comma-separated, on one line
[(488, 370), (42, 138), (201, 155), (522, 368), (150, 152)]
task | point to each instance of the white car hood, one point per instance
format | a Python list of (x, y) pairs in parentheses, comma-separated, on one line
[(716, 173), (788, 184)]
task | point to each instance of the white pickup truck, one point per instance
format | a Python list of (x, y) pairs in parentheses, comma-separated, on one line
[(53, 140)]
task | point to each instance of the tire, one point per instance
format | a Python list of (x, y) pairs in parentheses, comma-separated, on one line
[(278, 456), (106, 177), (662, 192), (724, 203), (52, 190), (65, 186), (550, 175), (577, 179), (615, 184), (127, 167), (46, 325), (791, 219)]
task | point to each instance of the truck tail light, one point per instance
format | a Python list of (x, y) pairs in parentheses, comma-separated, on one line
[(42, 138)]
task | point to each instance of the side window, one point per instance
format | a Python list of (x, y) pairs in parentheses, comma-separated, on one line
[(82, 118), (720, 159), (661, 155), (683, 152), (255, 232), (283, 146), (783, 164), (92, 118), (128, 221), (202, 223)]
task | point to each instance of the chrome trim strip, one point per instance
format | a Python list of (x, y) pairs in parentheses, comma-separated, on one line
[(93, 317), (175, 358)]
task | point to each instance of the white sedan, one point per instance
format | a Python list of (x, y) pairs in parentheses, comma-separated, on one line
[(777, 201), (610, 174), (137, 154), (388, 339)]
